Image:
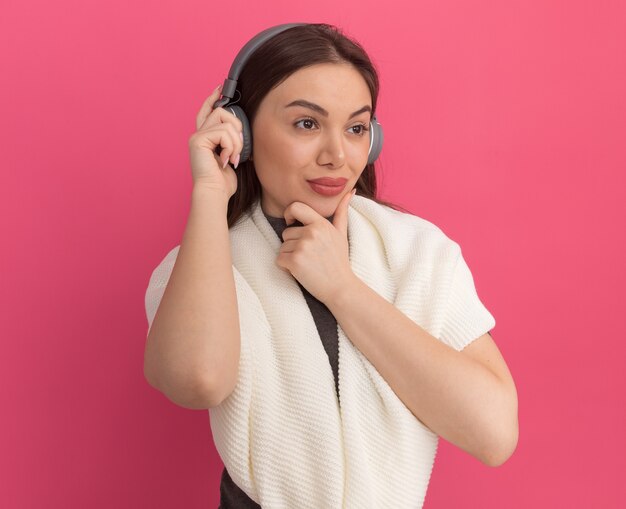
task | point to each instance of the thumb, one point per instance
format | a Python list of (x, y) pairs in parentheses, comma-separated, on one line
[(340, 218)]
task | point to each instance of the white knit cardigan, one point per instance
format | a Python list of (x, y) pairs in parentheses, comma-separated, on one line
[(282, 434)]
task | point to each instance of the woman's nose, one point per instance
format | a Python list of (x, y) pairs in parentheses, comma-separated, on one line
[(333, 150)]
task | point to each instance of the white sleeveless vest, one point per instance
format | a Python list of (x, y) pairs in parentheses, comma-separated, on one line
[(282, 434)]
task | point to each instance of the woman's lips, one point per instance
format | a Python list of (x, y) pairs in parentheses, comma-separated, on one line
[(329, 181), (326, 190)]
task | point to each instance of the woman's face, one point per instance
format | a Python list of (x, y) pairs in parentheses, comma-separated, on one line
[(294, 143)]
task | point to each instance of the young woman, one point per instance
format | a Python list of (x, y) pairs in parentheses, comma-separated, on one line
[(332, 337)]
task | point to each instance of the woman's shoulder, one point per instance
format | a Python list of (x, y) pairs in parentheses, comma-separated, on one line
[(407, 226), (166, 263)]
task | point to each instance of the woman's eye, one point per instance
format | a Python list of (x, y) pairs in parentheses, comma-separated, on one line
[(361, 129), (309, 122)]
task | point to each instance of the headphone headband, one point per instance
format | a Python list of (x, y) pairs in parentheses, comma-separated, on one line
[(230, 83)]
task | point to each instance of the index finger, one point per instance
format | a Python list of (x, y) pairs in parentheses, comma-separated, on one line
[(300, 211), (207, 106)]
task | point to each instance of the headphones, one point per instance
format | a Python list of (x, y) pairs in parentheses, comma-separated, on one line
[(230, 86)]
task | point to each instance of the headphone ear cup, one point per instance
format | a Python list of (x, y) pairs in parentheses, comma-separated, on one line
[(247, 133), (376, 141)]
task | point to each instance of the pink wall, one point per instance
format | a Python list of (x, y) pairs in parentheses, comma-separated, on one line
[(514, 119)]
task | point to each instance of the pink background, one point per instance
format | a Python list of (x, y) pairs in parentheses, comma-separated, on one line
[(505, 125)]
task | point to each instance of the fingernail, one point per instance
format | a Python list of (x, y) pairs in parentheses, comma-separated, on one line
[(225, 163), (237, 160)]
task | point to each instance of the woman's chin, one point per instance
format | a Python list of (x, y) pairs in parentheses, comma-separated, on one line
[(326, 208)]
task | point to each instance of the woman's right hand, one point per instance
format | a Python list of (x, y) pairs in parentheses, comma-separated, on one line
[(215, 127)]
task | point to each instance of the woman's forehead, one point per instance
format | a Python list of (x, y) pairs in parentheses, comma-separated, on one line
[(327, 86)]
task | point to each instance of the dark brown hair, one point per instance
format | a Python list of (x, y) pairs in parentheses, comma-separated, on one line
[(272, 63)]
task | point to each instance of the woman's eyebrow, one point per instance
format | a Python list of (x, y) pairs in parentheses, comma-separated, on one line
[(322, 111)]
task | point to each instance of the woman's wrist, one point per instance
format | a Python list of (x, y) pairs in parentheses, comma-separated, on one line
[(203, 191)]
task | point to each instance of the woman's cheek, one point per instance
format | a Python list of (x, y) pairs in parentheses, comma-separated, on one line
[(300, 153), (358, 153)]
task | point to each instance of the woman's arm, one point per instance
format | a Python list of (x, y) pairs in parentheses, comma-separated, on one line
[(467, 397), (192, 351)]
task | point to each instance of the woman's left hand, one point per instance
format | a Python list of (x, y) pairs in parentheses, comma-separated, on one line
[(316, 254)]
